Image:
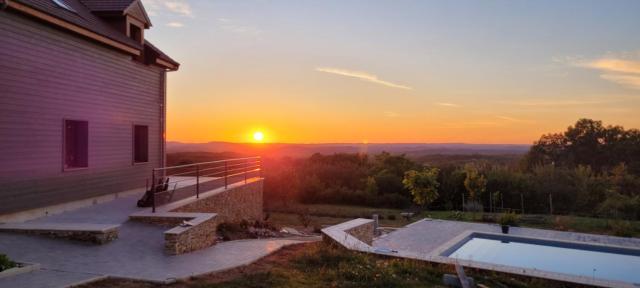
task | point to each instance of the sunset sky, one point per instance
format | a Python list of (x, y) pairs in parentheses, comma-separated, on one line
[(396, 71)]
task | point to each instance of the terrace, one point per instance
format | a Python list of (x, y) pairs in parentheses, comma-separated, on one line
[(150, 243)]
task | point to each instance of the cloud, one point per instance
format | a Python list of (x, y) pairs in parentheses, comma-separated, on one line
[(177, 7), (631, 81), (613, 65), (556, 103), (175, 24), (391, 114), (512, 119), (233, 27), (447, 104), (362, 76), (621, 70)]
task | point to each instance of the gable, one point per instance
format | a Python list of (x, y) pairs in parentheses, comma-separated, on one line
[(137, 11)]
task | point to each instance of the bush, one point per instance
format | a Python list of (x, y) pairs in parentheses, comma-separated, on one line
[(622, 228), (510, 219), (6, 263), (391, 217)]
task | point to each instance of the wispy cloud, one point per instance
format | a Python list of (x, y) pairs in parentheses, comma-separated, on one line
[(556, 103), (614, 68), (513, 119), (175, 24), (365, 76), (613, 65), (391, 114), (231, 26), (631, 81), (176, 7), (447, 104)]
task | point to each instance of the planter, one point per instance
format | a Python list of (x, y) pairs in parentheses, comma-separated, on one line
[(505, 229)]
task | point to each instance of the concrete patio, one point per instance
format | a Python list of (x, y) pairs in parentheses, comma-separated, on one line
[(138, 253)]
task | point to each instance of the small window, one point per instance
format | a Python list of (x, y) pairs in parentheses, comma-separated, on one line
[(76, 144), (135, 33), (140, 143)]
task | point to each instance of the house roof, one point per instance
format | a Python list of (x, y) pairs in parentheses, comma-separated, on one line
[(84, 15), (131, 7), (160, 54), (107, 5), (81, 17)]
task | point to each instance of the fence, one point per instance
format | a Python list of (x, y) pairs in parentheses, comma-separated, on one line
[(174, 183)]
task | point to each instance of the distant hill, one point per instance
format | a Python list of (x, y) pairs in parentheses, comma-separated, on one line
[(304, 150)]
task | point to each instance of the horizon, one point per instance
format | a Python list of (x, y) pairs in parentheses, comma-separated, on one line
[(411, 72)]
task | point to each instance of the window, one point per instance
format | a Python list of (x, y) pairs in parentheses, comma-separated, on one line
[(140, 143), (135, 33), (76, 144)]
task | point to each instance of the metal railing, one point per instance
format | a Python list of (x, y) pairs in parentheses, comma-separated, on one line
[(182, 181)]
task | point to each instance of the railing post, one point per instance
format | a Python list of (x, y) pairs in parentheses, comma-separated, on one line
[(153, 191), (198, 181), (225, 174)]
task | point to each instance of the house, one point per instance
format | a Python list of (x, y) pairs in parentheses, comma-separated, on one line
[(82, 103)]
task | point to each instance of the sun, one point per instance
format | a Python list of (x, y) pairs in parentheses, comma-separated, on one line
[(258, 136)]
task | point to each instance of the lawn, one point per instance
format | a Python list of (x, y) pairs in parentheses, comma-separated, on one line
[(323, 265), (323, 214)]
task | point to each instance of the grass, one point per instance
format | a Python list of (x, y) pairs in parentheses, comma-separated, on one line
[(324, 214), (324, 265)]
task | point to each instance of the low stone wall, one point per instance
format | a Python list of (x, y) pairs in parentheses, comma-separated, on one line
[(243, 202), (356, 234), (364, 232), (97, 234), (181, 240), (239, 202)]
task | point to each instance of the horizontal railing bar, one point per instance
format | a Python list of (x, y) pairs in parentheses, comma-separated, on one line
[(205, 163)]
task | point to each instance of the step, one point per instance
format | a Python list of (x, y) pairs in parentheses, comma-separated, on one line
[(95, 233)]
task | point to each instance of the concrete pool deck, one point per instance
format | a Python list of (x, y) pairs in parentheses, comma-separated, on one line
[(427, 239)]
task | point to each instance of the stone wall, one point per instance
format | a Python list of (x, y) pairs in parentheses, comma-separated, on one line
[(181, 240), (232, 205), (364, 232)]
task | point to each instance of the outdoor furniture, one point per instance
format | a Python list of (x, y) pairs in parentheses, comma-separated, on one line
[(147, 198)]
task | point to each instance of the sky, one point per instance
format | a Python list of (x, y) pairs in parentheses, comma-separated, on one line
[(396, 71)]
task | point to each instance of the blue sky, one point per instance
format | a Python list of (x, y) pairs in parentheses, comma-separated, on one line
[(397, 71)]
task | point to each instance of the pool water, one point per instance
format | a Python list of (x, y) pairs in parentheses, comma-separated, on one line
[(559, 258)]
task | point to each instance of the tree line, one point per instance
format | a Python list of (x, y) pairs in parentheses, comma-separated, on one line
[(590, 170)]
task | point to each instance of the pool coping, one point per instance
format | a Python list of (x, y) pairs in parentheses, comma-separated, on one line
[(438, 255)]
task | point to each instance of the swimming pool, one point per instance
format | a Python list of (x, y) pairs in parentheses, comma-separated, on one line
[(593, 261)]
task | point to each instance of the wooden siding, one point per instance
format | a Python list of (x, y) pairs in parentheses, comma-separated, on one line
[(47, 75)]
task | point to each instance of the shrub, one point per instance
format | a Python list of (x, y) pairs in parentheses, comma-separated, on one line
[(622, 228), (391, 217), (6, 263), (304, 217), (562, 223), (509, 218)]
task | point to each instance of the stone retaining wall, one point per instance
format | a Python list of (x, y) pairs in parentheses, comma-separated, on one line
[(235, 204), (181, 240), (363, 232)]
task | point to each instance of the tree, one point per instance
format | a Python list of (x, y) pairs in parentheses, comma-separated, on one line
[(475, 183), (423, 185)]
